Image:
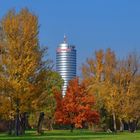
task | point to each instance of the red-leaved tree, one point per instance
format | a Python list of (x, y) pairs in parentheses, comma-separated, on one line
[(76, 107)]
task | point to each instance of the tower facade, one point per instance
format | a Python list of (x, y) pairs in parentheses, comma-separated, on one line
[(66, 63)]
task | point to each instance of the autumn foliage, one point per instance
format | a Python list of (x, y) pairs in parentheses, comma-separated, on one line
[(114, 83), (22, 70), (30, 88), (76, 108)]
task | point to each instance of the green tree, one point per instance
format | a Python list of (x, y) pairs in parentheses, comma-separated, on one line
[(46, 101)]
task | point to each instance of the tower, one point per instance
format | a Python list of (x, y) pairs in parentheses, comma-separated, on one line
[(66, 63)]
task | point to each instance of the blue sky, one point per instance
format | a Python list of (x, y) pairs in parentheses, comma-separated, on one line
[(88, 24)]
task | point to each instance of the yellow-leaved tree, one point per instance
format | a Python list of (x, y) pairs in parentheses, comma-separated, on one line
[(21, 64), (114, 84)]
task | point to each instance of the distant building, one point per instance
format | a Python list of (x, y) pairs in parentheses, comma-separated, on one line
[(66, 63)]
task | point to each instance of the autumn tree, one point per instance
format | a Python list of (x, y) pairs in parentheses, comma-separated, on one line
[(99, 72), (21, 62), (76, 108), (128, 83), (93, 75), (112, 82)]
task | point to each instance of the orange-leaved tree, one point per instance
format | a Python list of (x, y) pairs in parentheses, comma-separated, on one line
[(76, 107)]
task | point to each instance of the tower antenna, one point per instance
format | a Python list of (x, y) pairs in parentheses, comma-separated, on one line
[(65, 38)]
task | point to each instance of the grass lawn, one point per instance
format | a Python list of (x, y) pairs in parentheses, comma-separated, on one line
[(76, 135)]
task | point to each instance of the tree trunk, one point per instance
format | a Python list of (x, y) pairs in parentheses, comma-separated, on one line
[(114, 122), (132, 126), (23, 121), (17, 123), (121, 126), (91, 126), (50, 122), (10, 127), (72, 127), (136, 123), (40, 122)]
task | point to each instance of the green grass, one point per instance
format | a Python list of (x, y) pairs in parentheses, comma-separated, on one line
[(76, 135)]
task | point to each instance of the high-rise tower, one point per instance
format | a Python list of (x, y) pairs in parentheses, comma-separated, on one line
[(66, 62)]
